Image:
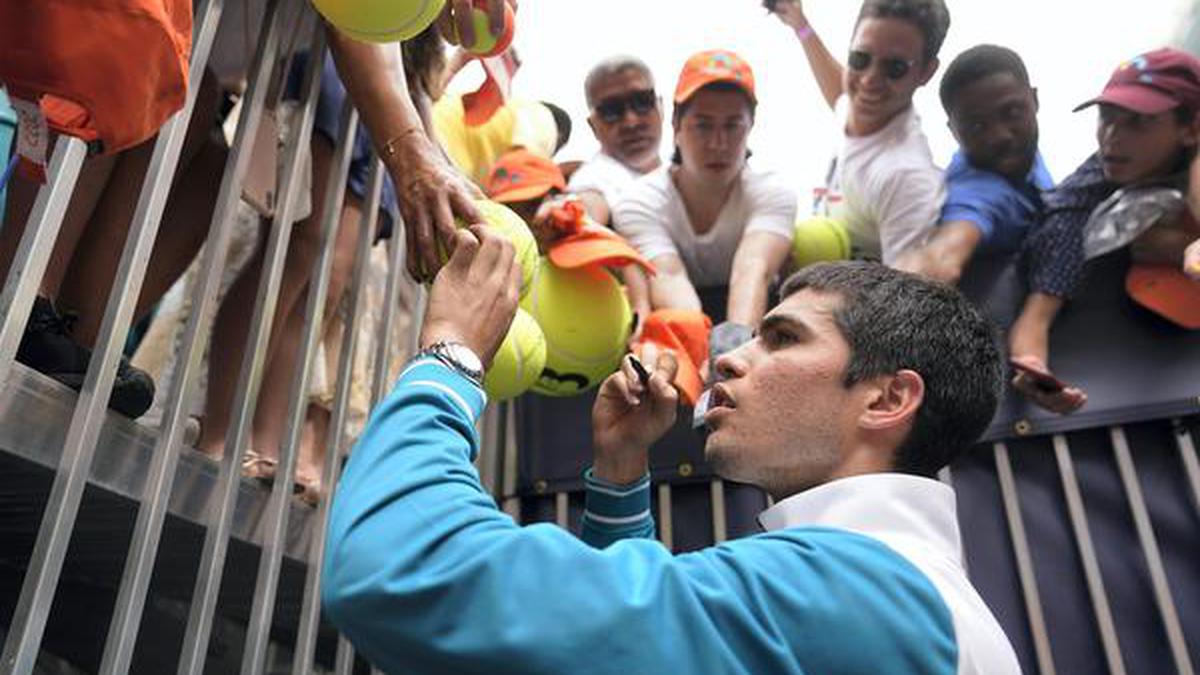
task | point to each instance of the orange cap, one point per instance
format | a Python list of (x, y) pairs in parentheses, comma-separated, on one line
[(1166, 291), (582, 243), (715, 65), (685, 332), (519, 175)]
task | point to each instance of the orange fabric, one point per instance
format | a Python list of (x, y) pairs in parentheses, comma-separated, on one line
[(520, 175), (583, 243), (108, 71), (714, 65), (684, 332), (481, 104), (1166, 291)]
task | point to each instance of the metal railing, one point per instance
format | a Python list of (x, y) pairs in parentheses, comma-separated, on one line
[(90, 427)]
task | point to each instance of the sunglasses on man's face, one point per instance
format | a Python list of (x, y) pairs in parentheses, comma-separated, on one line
[(893, 68), (612, 110)]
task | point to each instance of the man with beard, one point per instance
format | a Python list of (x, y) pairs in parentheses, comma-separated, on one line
[(995, 181), (626, 118)]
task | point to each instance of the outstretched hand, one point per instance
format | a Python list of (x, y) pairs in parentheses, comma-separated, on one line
[(1191, 260), (629, 416), (457, 26), (431, 194), (474, 297), (791, 13)]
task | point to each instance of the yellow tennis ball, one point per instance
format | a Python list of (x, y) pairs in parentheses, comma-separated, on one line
[(486, 42), (519, 361), (380, 20), (818, 239), (505, 221), (586, 319)]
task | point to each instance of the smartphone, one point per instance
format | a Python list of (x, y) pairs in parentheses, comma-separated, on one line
[(1043, 381)]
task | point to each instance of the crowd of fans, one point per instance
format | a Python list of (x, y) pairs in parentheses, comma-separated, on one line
[(704, 218)]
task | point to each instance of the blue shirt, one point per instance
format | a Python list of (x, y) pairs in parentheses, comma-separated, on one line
[(1003, 212), (425, 575)]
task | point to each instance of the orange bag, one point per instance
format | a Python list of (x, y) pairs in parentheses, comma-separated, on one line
[(107, 71)]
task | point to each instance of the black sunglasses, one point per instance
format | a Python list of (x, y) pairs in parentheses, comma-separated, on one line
[(611, 110), (893, 68)]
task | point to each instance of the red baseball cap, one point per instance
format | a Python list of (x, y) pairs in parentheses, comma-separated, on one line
[(714, 65), (520, 175), (1153, 82)]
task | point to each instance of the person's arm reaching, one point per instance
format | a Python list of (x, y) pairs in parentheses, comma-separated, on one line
[(825, 68), (671, 287), (430, 192), (946, 255), (759, 257)]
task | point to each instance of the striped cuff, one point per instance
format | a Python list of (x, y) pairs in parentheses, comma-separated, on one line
[(616, 507), (430, 372)]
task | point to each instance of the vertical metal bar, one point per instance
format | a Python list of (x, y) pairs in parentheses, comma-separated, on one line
[(275, 525), (665, 532), (719, 523), (66, 494), (1187, 454), (1087, 555), (199, 627), (1145, 532), (310, 611), (391, 293), (1029, 588), (139, 562), (561, 510), (504, 427), (37, 243), (508, 476), (343, 661)]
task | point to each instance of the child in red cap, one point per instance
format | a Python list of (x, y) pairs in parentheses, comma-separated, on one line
[(1147, 134)]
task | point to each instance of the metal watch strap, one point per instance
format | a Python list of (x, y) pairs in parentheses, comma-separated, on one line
[(441, 352)]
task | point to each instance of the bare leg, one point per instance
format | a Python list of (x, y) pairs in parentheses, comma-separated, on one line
[(231, 328), (1029, 345), (271, 415)]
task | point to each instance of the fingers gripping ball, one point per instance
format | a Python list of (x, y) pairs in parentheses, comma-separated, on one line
[(511, 227), (380, 20), (519, 361), (818, 239), (486, 43), (586, 319)]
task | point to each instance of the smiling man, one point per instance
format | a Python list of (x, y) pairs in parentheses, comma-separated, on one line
[(996, 179), (860, 385), (884, 172)]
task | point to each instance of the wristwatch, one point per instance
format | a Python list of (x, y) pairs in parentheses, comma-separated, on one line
[(459, 357)]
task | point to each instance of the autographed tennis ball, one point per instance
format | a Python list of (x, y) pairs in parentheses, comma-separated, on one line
[(519, 361), (818, 239), (380, 20), (586, 319)]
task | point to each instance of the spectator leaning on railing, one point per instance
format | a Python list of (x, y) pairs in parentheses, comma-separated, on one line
[(861, 384), (995, 181), (1147, 135)]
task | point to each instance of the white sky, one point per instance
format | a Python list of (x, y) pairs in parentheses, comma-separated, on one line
[(1069, 46)]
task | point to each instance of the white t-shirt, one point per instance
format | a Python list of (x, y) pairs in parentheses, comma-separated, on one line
[(892, 191), (602, 174), (652, 216)]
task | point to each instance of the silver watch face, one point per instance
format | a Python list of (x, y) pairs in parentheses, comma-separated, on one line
[(464, 356)]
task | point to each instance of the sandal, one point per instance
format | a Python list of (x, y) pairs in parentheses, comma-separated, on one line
[(259, 467)]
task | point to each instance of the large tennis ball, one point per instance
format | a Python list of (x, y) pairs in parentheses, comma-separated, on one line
[(512, 227), (509, 224), (586, 319), (818, 239), (380, 20), (519, 361)]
